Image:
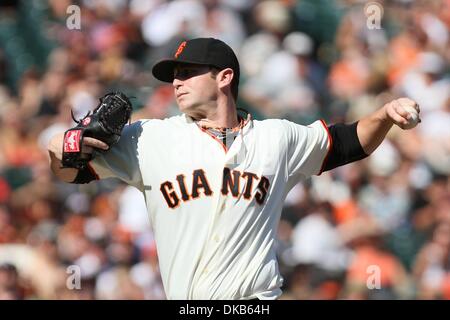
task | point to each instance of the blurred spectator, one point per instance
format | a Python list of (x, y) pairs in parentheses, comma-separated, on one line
[(432, 268), (10, 288), (316, 241)]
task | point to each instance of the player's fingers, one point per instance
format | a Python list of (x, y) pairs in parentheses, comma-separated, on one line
[(397, 118), (87, 149), (399, 108), (91, 142), (409, 103), (404, 104)]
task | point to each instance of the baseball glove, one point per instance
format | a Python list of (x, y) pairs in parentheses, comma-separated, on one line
[(105, 123)]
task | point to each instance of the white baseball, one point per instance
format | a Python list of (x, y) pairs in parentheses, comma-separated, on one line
[(413, 118)]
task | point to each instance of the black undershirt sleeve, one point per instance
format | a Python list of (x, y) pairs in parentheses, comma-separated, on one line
[(345, 148)]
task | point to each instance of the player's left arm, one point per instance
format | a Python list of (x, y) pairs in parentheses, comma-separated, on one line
[(356, 141)]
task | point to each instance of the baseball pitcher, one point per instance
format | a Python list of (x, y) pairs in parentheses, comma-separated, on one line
[(214, 179)]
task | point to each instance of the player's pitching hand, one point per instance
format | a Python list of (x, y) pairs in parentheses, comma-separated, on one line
[(403, 112)]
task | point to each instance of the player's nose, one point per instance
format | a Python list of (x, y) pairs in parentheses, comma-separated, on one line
[(176, 83)]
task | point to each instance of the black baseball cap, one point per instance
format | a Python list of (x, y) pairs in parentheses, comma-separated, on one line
[(203, 51)]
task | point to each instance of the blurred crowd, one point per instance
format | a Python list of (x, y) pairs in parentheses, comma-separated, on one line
[(375, 229)]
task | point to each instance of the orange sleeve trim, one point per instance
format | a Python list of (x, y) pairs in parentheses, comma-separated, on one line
[(330, 145)]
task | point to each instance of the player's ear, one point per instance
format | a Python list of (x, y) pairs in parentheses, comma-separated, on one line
[(225, 77)]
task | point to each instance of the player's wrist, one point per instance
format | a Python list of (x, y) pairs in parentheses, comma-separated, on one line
[(383, 115), (55, 145)]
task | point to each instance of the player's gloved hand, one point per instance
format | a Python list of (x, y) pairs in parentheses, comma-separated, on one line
[(98, 130)]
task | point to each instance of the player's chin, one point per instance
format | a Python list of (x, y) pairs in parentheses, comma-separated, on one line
[(185, 106)]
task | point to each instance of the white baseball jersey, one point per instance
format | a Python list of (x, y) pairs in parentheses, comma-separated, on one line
[(215, 211)]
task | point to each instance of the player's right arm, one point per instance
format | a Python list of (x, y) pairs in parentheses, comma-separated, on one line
[(55, 148)]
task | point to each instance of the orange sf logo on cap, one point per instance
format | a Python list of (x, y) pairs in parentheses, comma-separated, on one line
[(180, 49)]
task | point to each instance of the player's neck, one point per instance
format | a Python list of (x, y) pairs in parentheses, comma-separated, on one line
[(226, 121), (224, 115)]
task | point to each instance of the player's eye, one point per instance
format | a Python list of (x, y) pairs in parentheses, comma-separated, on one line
[(187, 73), (190, 72)]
